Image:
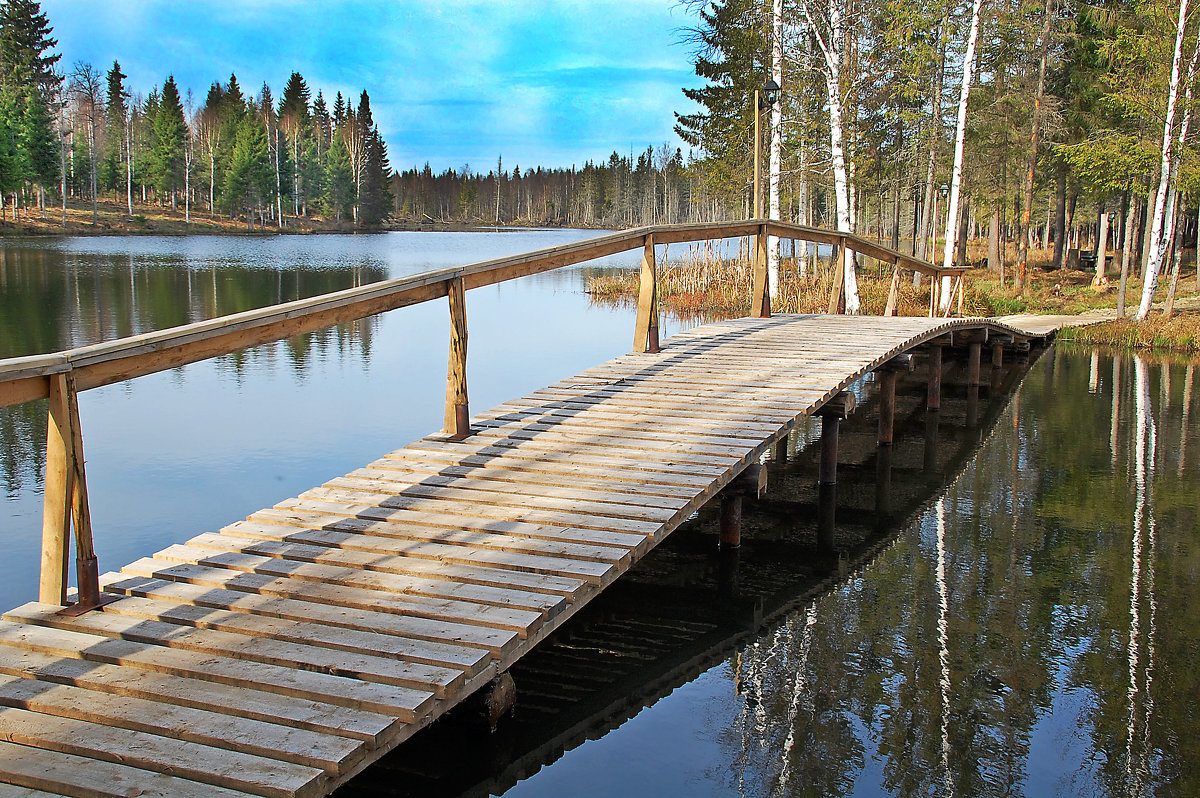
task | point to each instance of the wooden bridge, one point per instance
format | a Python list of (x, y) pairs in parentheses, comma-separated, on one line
[(285, 653)]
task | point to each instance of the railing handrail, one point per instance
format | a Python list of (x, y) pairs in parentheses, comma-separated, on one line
[(25, 378)]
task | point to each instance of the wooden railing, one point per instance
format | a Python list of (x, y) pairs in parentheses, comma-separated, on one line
[(59, 376)]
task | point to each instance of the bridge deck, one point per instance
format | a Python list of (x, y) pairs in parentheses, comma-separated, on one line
[(283, 654)]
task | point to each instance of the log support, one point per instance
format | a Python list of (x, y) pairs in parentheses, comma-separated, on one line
[(645, 335), (760, 287), (933, 393), (458, 416), (751, 482), (886, 374), (65, 503), (831, 413)]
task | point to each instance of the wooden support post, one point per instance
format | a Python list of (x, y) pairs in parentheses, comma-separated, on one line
[(458, 416), (831, 413), (933, 396), (886, 374), (962, 279), (760, 287), (751, 482), (893, 300), (645, 335), (974, 355), (65, 502), (731, 520), (839, 278), (887, 406), (933, 289), (997, 356)]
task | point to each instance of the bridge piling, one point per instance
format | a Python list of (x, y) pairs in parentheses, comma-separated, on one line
[(831, 413), (458, 416)]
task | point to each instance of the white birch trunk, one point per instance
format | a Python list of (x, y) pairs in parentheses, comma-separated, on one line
[(1159, 243), (776, 145), (833, 52), (1101, 278), (956, 174)]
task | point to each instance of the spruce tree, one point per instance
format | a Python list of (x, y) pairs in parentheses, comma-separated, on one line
[(731, 61), (112, 171), (169, 139)]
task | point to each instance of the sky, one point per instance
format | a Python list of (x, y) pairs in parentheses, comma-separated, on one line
[(542, 82)]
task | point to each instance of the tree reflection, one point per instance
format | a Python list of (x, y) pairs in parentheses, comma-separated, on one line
[(53, 299)]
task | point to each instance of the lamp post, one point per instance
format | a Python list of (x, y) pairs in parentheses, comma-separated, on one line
[(771, 91)]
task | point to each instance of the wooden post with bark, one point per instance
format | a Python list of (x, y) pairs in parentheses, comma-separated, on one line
[(65, 504), (645, 335), (760, 300), (457, 422)]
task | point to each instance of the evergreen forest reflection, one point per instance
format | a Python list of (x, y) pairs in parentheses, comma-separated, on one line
[(53, 298), (1019, 622)]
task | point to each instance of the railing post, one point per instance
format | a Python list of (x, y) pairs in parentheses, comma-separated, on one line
[(934, 279), (65, 502), (893, 300), (839, 278), (645, 334), (457, 424), (760, 288)]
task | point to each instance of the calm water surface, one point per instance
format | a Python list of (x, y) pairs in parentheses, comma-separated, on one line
[(1018, 617)]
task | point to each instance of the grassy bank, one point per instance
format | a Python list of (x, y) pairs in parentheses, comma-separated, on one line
[(699, 285)]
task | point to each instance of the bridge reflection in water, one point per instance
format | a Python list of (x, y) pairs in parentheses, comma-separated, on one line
[(689, 607)]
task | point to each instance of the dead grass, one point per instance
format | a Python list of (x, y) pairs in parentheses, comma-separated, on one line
[(701, 286)]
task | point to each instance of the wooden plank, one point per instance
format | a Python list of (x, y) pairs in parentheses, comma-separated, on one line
[(327, 752), (498, 473), (175, 690), (541, 603), (226, 768), (579, 544), (439, 680), (468, 660), (84, 777), (607, 505), (413, 523), (441, 638), (428, 452), (568, 489), (471, 509), (13, 791), (552, 574), (403, 703), (461, 612)]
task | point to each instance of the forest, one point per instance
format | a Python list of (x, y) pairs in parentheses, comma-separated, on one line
[(1033, 124), (76, 133), (1047, 123)]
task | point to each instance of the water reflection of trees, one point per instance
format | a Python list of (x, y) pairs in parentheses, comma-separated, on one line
[(1059, 571), (52, 299)]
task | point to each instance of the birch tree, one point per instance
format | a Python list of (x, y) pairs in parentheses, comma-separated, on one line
[(956, 173), (1163, 202), (828, 27), (776, 144)]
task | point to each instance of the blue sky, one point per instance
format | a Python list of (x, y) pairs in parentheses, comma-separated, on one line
[(451, 83)]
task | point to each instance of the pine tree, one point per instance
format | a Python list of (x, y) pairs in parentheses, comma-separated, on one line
[(25, 44), (372, 171), (112, 171), (731, 59), (251, 176), (169, 139), (296, 122), (339, 180)]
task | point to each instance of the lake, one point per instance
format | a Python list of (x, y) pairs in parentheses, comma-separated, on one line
[(1016, 617)]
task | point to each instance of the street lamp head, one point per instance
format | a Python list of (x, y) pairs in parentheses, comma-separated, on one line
[(771, 92), (944, 190)]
